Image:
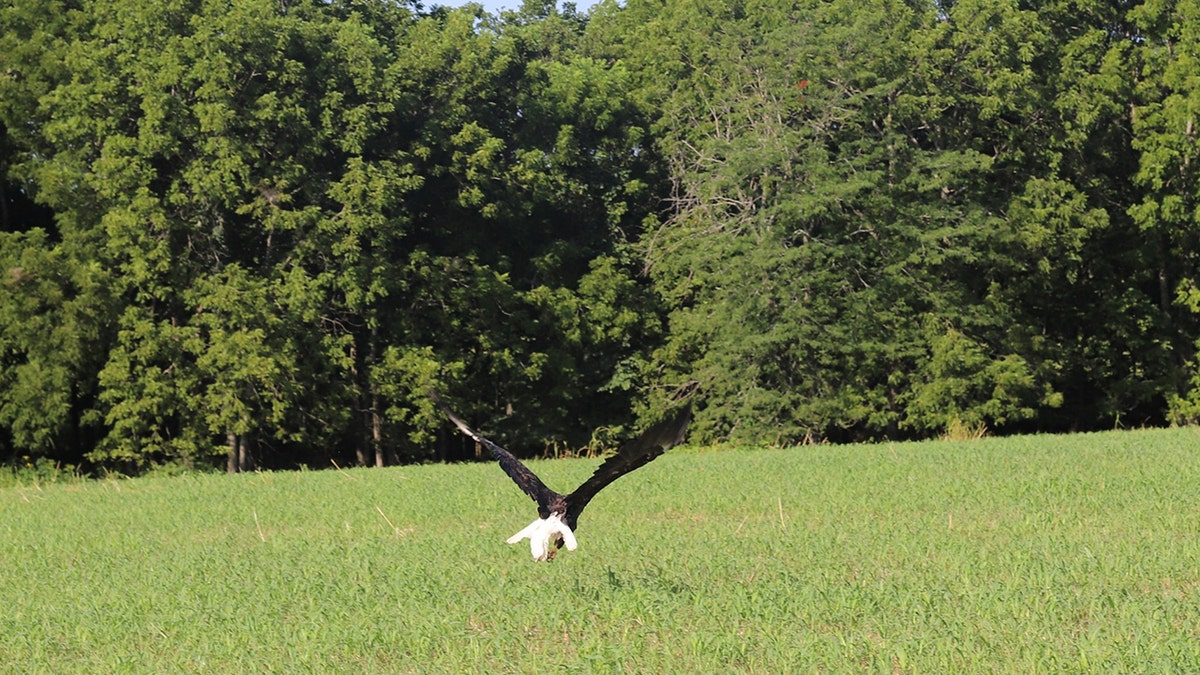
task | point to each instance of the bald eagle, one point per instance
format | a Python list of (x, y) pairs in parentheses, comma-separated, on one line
[(558, 514)]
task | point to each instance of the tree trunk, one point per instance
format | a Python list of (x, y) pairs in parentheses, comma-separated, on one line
[(376, 430), (231, 463), (245, 463), (238, 460), (376, 419)]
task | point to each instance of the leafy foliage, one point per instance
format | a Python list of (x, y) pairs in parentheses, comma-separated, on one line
[(264, 231), (846, 178)]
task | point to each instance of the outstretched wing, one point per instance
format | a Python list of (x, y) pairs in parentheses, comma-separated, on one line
[(521, 475), (638, 452)]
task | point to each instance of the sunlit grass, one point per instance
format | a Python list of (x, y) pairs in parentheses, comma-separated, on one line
[(1037, 554)]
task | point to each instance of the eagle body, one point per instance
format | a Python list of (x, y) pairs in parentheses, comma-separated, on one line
[(558, 514)]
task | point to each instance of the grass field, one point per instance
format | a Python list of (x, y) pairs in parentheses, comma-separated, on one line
[(1033, 554)]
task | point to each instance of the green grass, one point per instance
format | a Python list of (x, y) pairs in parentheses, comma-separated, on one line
[(1036, 554)]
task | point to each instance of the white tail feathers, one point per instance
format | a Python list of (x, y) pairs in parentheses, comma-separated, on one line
[(542, 532)]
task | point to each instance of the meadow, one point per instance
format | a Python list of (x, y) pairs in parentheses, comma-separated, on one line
[(1034, 554)]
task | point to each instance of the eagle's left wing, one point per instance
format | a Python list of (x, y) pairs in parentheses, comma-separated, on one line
[(636, 453)]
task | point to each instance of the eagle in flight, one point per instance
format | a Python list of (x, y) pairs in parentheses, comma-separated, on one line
[(558, 513)]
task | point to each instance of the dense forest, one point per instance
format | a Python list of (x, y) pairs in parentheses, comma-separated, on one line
[(256, 233)]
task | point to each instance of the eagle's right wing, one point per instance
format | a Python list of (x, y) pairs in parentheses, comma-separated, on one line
[(521, 475)]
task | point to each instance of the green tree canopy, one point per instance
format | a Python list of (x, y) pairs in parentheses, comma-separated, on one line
[(257, 234)]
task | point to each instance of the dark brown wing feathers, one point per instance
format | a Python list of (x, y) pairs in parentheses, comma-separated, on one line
[(636, 453), (521, 475)]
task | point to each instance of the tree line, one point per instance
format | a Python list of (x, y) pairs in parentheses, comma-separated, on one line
[(257, 233)]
